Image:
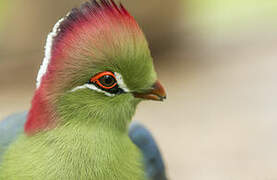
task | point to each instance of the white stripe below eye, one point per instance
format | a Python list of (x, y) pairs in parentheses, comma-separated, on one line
[(92, 87)]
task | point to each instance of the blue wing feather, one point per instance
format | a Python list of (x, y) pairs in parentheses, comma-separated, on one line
[(10, 128), (154, 165)]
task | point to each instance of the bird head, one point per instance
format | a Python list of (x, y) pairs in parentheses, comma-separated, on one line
[(97, 68)]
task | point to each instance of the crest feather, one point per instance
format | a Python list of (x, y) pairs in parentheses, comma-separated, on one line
[(89, 11)]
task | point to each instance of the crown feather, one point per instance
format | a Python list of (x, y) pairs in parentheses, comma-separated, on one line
[(90, 10)]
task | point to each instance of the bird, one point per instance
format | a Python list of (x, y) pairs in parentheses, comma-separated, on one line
[(96, 70)]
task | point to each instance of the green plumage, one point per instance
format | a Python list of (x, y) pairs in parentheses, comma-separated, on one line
[(88, 138), (72, 153)]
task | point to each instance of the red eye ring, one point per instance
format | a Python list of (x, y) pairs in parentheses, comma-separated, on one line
[(95, 79)]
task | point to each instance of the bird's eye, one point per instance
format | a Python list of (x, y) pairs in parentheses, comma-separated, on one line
[(105, 80)]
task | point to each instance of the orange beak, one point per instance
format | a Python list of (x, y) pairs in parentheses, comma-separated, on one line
[(157, 93)]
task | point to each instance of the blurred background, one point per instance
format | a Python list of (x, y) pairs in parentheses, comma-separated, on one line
[(217, 60)]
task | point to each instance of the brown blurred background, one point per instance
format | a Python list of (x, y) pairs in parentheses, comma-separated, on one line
[(217, 60)]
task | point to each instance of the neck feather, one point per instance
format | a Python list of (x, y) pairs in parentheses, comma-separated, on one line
[(41, 115)]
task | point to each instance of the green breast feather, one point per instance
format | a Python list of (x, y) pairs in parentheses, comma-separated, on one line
[(73, 153)]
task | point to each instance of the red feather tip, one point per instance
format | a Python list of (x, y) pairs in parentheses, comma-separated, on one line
[(93, 8)]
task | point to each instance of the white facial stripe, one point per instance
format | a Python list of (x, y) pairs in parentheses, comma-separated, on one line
[(120, 82), (92, 87), (48, 49)]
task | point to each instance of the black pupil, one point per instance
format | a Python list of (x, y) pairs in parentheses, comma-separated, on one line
[(107, 80)]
